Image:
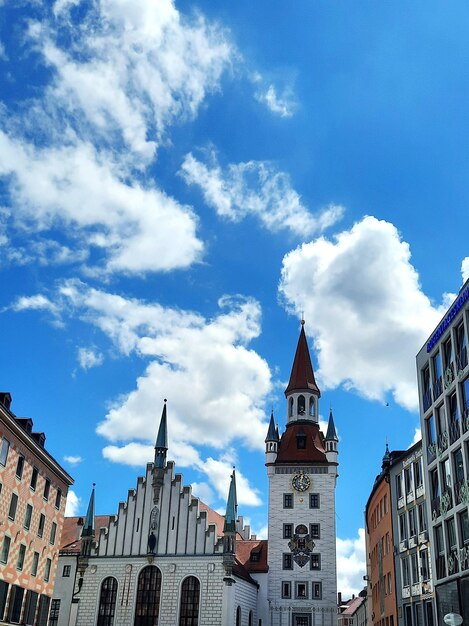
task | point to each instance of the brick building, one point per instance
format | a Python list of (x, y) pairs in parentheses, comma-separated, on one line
[(33, 493)]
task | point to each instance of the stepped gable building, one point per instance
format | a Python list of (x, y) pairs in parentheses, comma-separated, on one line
[(443, 377), (33, 493), (167, 559)]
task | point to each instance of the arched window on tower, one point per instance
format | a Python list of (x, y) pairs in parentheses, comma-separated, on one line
[(311, 406), (290, 407), (238, 616), (107, 602), (250, 619), (148, 597), (190, 600), (301, 405)]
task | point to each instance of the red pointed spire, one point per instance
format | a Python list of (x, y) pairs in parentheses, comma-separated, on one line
[(302, 375)]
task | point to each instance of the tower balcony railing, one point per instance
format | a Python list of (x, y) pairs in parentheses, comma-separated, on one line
[(437, 388), (427, 399), (431, 452)]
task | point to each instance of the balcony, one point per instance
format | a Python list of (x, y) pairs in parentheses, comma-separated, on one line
[(449, 375), (461, 491), (410, 497), (416, 589), (431, 452), (406, 592), (437, 388), (403, 545), (453, 562), (446, 501), (420, 490), (427, 399), (423, 536), (400, 502), (442, 442), (412, 541)]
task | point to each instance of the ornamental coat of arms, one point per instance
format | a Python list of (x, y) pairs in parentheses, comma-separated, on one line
[(301, 545)]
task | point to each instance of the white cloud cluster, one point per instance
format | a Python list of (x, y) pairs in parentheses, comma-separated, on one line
[(76, 166), (465, 269), (73, 460), (283, 105), (364, 307), (256, 188), (351, 564), (88, 357), (73, 504), (215, 384)]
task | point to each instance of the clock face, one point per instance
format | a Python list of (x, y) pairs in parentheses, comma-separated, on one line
[(300, 482)]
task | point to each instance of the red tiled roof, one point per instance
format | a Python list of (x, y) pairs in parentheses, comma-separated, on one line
[(353, 605), (288, 451), (213, 517), (70, 539), (244, 550), (302, 375)]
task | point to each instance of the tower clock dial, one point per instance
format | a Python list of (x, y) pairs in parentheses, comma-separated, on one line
[(300, 482)]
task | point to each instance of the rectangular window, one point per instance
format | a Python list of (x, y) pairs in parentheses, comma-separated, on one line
[(47, 570), (66, 571), (46, 489), (5, 549), (399, 485), (314, 502), (21, 554), (34, 476), (287, 500), (408, 479), (53, 532), (58, 499), (286, 589), (27, 516), (287, 561), (20, 466), (418, 479), (317, 591), (315, 561), (402, 527), (451, 533), (315, 531), (3, 597), (424, 568), (35, 564), (301, 590), (405, 571), (42, 522), (464, 528), (415, 569), (422, 517), (287, 531), (54, 612), (13, 505), (412, 524), (4, 451)]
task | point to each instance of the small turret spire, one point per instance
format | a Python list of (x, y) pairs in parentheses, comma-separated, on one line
[(231, 507), (161, 445), (386, 457), (331, 434), (88, 527), (272, 434)]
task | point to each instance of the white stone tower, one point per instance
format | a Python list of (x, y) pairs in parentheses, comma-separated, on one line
[(302, 469)]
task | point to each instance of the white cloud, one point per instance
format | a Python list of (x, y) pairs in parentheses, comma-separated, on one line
[(73, 460), (73, 504), (204, 492), (417, 436), (256, 188), (130, 69), (88, 357), (84, 191), (465, 269), (351, 564), (364, 307), (283, 105), (34, 303)]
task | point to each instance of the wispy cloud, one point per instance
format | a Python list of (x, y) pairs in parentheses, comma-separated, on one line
[(256, 188), (73, 460), (283, 105), (89, 357)]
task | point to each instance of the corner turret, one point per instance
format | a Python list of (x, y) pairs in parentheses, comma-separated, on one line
[(271, 445), (331, 442), (161, 448)]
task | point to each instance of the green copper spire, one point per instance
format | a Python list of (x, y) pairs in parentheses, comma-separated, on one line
[(231, 507), (161, 445), (88, 527)]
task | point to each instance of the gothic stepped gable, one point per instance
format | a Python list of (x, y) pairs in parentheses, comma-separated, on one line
[(184, 524)]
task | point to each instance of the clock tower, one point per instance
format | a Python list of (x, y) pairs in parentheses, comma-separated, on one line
[(302, 469)]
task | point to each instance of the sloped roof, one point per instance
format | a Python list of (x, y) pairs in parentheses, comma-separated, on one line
[(72, 529), (244, 550), (288, 451), (353, 605), (302, 375)]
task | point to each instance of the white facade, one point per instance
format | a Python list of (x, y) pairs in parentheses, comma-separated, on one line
[(182, 549)]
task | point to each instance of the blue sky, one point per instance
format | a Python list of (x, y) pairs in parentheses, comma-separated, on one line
[(179, 182)]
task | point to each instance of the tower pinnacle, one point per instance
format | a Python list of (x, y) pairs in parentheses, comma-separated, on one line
[(161, 445), (302, 375)]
